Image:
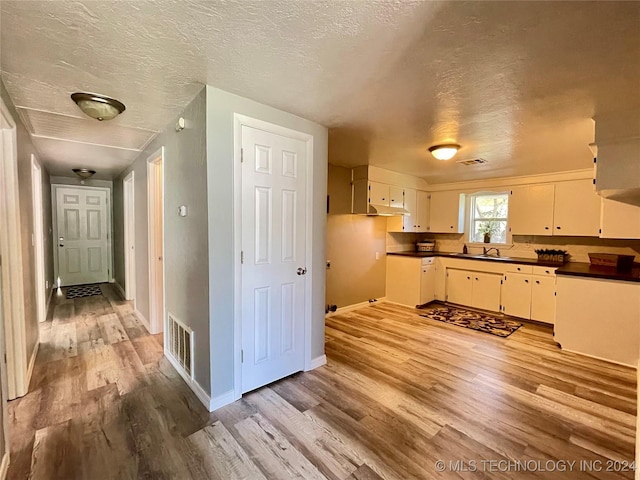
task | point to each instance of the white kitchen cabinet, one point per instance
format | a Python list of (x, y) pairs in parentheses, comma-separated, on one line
[(423, 203), (576, 210), (486, 291), (516, 295), (417, 204), (459, 286), (396, 197), (599, 318), (379, 194), (409, 222), (543, 298), (446, 212), (531, 210), (405, 276), (619, 220)]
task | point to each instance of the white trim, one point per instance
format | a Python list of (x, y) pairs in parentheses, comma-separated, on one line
[(32, 362), (239, 121), (157, 319), (355, 306), (4, 467), (128, 183), (49, 300), (38, 239), (221, 400), (13, 275), (143, 320), (608, 360), (120, 289), (317, 362)]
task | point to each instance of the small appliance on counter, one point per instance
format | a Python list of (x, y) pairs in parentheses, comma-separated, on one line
[(425, 246), (619, 262)]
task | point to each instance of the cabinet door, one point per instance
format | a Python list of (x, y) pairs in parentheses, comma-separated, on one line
[(422, 207), (516, 295), (396, 197), (378, 193), (404, 275), (619, 220), (446, 212), (576, 210), (410, 222), (486, 291), (543, 298), (531, 210), (459, 286), (428, 284)]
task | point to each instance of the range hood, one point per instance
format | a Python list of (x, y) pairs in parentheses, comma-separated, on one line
[(385, 211), (617, 157)]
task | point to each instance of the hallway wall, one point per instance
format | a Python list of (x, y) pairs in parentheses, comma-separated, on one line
[(25, 149), (185, 256)]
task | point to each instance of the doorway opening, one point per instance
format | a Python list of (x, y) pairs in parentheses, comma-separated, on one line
[(128, 191), (155, 214), (38, 239)]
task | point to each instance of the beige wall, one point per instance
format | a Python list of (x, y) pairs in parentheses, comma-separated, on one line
[(352, 242)]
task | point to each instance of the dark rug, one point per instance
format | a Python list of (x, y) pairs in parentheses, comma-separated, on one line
[(482, 322), (80, 291)]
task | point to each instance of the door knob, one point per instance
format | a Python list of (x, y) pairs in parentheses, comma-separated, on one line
[(301, 271)]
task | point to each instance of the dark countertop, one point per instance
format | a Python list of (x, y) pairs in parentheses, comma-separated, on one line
[(570, 269)]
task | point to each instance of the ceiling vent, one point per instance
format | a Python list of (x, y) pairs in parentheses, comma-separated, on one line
[(475, 161)]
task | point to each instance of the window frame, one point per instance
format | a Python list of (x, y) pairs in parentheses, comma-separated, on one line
[(470, 218)]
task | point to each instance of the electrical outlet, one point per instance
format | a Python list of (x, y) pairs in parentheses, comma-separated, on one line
[(377, 255)]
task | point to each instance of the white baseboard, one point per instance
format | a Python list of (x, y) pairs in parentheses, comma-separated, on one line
[(210, 404), (355, 306), (46, 314), (120, 290), (32, 363), (608, 360), (4, 466), (144, 321), (317, 362)]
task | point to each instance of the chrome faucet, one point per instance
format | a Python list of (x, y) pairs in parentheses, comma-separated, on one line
[(486, 251)]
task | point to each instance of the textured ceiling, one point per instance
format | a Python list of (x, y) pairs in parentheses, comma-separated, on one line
[(516, 83)]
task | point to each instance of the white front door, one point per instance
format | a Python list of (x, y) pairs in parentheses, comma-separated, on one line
[(82, 235), (273, 246)]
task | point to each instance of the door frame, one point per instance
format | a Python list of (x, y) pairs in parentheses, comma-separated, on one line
[(38, 239), (155, 209), (11, 263), (54, 221), (239, 121), (128, 196)]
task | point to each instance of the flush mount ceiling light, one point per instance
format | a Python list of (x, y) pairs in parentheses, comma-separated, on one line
[(98, 106), (444, 152), (84, 173)]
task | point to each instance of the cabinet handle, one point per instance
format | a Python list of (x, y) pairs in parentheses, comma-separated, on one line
[(546, 228), (383, 198), (468, 278), (558, 228), (451, 226), (546, 271), (476, 278), (518, 268), (538, 282), (526, 281)]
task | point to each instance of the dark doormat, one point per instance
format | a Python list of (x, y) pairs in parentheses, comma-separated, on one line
[(482, 322), (80, 291)]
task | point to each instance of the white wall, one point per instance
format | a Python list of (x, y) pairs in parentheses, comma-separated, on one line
[(185, 256), (221, 107)]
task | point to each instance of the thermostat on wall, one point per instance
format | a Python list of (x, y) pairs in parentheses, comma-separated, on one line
[(182, 210)]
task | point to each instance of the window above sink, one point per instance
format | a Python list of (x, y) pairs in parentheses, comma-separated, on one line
[(488, 213)]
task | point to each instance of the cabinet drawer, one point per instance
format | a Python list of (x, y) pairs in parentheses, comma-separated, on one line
[(427, 260), (547, 271), (515, 268)]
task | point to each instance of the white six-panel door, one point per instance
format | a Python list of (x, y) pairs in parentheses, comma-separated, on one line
[(273, 249), (82, 241)]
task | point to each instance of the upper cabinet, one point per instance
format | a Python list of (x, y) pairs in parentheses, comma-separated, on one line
[(379, 194), (446, 212), (531, 210), (417, 204), (619, 220), (396, 197), (569, 208)]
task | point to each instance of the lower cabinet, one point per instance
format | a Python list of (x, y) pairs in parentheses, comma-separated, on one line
[(473, 289), (516, 295), (543, 299), (410, 281), (530, 295)]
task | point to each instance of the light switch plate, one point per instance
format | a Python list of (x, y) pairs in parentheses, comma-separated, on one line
[(182, 210)]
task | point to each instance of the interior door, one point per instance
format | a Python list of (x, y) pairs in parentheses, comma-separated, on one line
[(274, 253), (82, 235)]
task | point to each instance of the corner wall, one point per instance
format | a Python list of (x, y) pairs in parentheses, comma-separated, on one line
[(221, 107), (185, 256)]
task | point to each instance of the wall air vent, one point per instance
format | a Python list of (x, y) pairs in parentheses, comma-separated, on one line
[(475, 161), (180, 344)]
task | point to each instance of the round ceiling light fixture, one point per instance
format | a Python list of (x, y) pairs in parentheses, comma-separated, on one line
[(84, 173), (98, 106), (444, 152)]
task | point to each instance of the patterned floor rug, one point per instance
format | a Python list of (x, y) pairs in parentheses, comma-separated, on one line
[(80, 291), (482, 322)]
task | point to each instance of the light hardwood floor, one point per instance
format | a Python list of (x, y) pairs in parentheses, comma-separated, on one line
[(399, 393)]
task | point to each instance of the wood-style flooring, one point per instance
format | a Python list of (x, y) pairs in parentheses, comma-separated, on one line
[(399, 393)]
